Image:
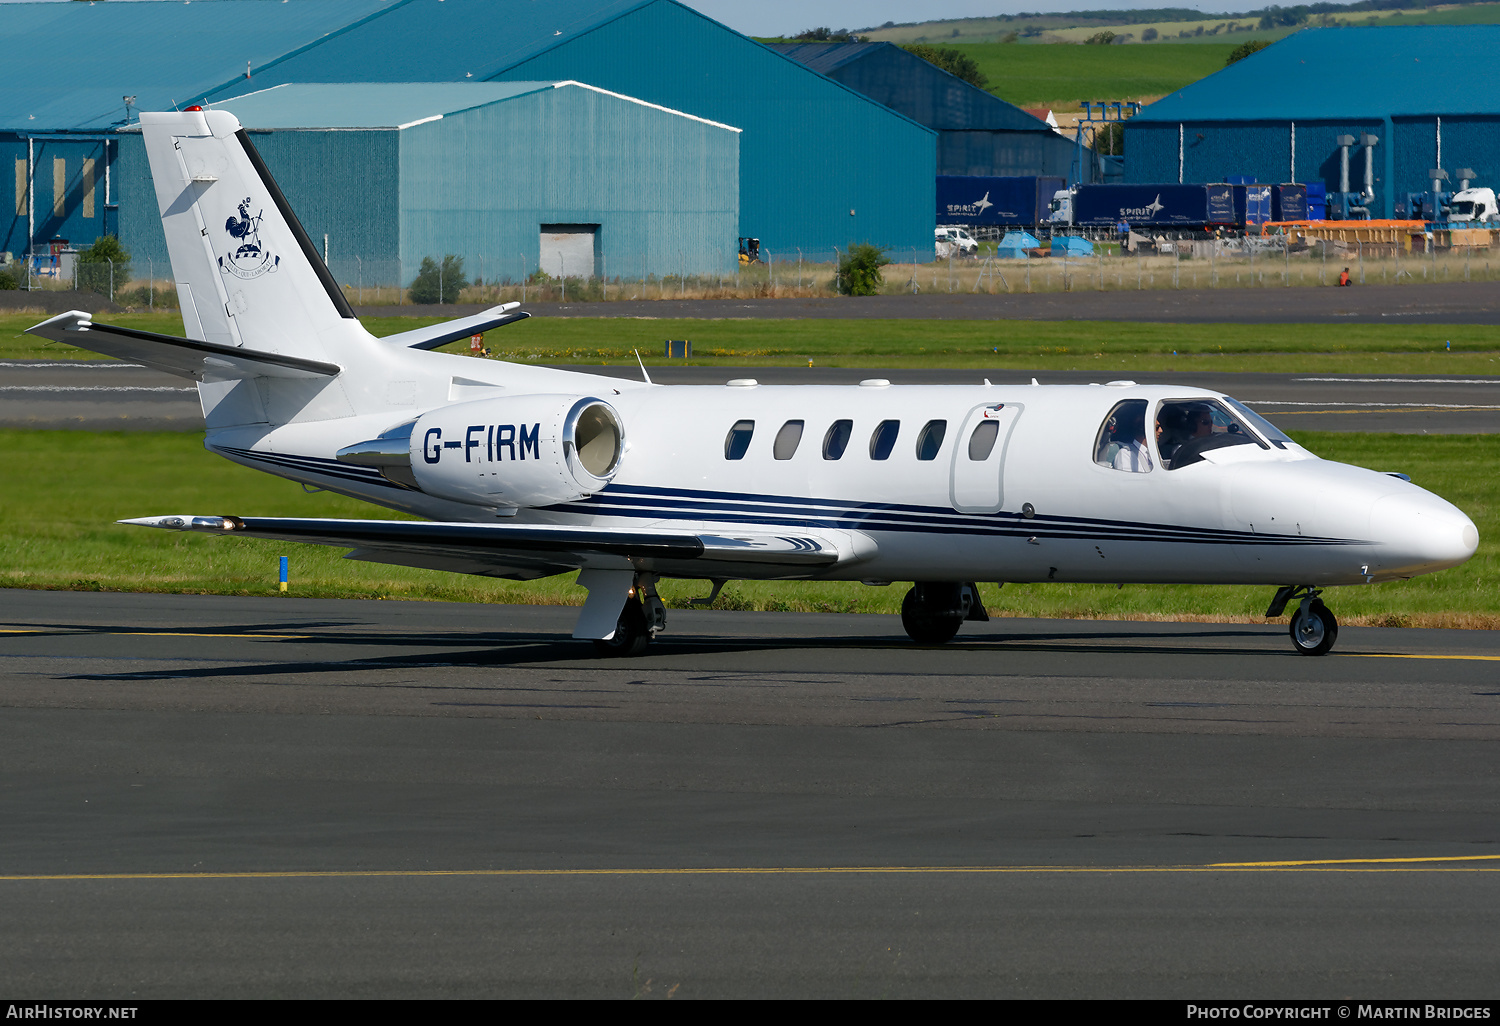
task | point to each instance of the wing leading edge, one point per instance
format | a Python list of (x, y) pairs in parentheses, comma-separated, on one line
[(527, 551)]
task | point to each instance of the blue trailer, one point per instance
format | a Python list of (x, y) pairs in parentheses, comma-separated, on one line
[(1143, 206), (1252, 203), (981, 201), (1291, 202)]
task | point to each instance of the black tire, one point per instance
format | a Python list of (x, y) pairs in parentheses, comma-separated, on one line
[(631, 636), (927, 626), (1315, 633)]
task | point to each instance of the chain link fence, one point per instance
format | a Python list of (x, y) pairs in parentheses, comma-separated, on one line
[(1162, 261)]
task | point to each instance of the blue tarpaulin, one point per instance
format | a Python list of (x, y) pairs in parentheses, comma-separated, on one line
[(1071, 245), (1015, 245)]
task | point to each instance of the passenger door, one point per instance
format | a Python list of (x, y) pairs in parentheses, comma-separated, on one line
[(978, 478)]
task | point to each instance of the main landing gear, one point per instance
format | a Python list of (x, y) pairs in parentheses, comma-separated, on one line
[(933, 610), (623, 612), (1313, 628)]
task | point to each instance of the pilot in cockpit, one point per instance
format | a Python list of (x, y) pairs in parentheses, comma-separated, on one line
[(1169, 430)]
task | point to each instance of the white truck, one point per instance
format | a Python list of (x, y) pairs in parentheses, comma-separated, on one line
[(1472, 206)]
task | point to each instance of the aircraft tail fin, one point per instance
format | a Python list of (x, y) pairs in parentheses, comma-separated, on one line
[(247, 274)]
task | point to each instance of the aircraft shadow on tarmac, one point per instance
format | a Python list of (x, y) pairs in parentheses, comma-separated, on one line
[(522, 648)]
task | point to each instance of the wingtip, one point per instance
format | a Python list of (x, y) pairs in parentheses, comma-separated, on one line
[(72, 320), (182, 522)]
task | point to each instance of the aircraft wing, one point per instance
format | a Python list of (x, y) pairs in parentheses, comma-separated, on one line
[(526, 551), (184, 357), (435, 335)]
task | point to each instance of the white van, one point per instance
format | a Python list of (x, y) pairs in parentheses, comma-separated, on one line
[(954, 241)]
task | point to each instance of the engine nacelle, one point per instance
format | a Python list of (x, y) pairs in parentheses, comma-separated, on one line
[(528, 450)]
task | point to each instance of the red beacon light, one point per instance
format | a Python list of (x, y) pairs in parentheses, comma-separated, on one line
[(193, 107)]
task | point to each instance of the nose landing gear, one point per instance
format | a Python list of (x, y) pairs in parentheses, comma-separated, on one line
[(1314, 628), (933, 610)]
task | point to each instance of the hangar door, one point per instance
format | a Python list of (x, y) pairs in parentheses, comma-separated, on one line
[(570, 250)]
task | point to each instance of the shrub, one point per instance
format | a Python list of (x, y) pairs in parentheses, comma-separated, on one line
[(1244, 50), (7, 283), (859, 270), (434, 284), (94, 270), (1100, 38)]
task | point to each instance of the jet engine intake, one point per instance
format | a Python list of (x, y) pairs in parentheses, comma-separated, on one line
[(531, 450)]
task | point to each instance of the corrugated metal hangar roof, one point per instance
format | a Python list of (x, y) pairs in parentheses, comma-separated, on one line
[(912, 86), (367, 104), (68, 66), (1329, 73)]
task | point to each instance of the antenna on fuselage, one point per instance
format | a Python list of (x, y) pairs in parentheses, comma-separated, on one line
[(643, 367)]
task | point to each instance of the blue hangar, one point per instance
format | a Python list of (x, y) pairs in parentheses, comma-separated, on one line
[(1406, 99), (978, 133), (819, 165)]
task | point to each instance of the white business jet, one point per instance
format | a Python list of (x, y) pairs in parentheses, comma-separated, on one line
[(523, 472)]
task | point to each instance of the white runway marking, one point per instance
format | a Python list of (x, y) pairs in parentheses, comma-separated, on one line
[(1410, 381), (72, 364), (94, 388), (1386, 406)]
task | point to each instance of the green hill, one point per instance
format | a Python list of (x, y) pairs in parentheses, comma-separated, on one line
[(1062, 75)]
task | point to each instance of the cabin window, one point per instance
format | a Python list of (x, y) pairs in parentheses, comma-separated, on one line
[(1121, 443), (931, 440), (1188, 428), (884, 439), (737, 442), (982, 441), (787, 440), (837, 439)]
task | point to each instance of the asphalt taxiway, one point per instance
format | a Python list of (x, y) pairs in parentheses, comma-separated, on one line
[(111, 396), (217, 796)]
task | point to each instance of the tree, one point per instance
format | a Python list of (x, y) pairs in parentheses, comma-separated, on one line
[(1148, 34), (954, 62), (1244, 50), (828, 35), (1100, 38), (859, 270), (434, 284), (94, 271), (1109, 139)]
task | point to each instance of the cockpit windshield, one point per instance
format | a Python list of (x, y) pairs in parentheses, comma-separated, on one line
[(1270, 432), (1188, 428)]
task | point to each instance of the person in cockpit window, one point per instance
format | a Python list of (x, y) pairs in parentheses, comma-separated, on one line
[(1133, 455), (1198, 435), (1170, 430)]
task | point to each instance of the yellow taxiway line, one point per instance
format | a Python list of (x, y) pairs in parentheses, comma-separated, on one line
[(1438, 863)]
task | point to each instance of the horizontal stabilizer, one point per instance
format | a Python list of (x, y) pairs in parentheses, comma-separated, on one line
[(184, 357), (544, 548), (435, 335)]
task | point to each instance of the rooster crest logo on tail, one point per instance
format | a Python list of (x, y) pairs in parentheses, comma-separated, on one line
[(249, 259)]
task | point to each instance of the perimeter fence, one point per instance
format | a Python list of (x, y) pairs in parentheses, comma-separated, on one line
[(1163, 263)]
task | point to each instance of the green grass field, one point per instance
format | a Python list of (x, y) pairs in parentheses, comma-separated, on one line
[(1114, 348), (1061, 74), (64, 490)]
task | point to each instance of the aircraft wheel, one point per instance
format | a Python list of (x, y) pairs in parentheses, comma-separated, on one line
[(631, 636), (926, 622), (1313, 634)]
